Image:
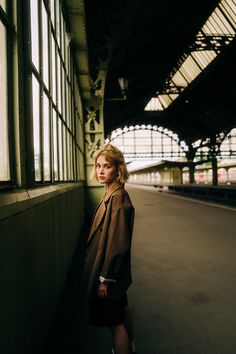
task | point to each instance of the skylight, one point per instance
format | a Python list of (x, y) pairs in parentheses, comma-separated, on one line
[(217, 33)]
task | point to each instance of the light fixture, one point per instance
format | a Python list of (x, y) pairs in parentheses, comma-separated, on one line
[(123, 83)]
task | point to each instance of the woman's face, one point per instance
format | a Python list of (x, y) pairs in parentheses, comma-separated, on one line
[(106, 170)]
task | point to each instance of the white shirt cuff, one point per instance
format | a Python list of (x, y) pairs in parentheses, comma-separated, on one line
[(106, 280)]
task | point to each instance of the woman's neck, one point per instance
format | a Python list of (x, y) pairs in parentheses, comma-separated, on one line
[(110, 186)]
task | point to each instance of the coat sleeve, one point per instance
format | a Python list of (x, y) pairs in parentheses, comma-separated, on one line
[(118, 242)]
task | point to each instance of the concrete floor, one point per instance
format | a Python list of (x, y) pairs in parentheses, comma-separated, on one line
[(183, 295)]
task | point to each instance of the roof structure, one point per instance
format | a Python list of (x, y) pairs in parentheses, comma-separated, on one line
[(166, 50)]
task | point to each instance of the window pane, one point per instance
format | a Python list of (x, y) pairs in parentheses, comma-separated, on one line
[(65, 157), (59, 82), (36, 129), (34, 33), (54, 68), (55, 156), (60, 149), (62, 38), (58, 28), (46, 138), (63, 95), (45, 46), (3, 4), (69, 156), (52, 8), (4, 148)]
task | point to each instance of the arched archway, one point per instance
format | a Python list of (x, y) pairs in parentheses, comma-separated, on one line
[(148, 142)]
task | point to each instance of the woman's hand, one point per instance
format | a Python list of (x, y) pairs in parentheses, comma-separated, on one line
[(102, 290)]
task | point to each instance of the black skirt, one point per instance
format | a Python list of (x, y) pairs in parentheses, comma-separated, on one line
[(105, 312)]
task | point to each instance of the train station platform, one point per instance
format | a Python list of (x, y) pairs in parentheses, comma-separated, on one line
[(184, 282)]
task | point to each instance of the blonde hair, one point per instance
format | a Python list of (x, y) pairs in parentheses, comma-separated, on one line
[(112, 154)]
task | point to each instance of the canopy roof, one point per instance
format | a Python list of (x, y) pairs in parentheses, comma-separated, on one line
[(182, 53)]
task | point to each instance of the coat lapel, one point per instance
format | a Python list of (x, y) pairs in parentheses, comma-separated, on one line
[(101, 209), (98, 216), (115, 186)]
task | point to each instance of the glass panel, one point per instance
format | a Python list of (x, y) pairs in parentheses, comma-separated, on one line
[(45, 46), (157, 148), (215, 22), (128, 149), (62, 38), (55, 151), (69, 151), (58, 28), (208, 29), (179, 80), (185, 73), (63, 94), (232, 4), (54, 69), (72, 154), (232, 174), (144, 133), (231, 15), (156, 136), (3, 4), (59, 82), (165, 100), (67, 51), (60, 149), (65, 157), (191, 67), (225, 24), (4, 147), (139, 133), (36, 129), (34, 33), (46, 139), (128, 135), (173, 97), (167, 148), (68, 106), (143, 141), (154, 105), (52, 8), (202, 60), (143, 149)]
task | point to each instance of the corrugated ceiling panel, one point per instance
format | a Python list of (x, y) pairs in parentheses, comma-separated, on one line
[(179, 80), (154, 105), (222, 22), (165, 100)]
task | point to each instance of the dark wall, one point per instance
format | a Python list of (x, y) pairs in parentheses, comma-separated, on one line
[(37, 244)]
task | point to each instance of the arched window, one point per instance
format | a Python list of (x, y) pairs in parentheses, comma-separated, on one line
[(228, 145), (147, 142)]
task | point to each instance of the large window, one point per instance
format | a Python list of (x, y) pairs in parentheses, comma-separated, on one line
[(228, 146), (152, 142), (41, 127), (55, 108), (4, 121)]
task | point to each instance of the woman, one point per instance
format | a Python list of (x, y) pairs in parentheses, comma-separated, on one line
[(108, 258)]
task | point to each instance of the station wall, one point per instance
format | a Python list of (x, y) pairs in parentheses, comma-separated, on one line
[(38, 238)]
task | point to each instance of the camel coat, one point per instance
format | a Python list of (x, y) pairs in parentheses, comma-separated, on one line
[(109, 244)]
